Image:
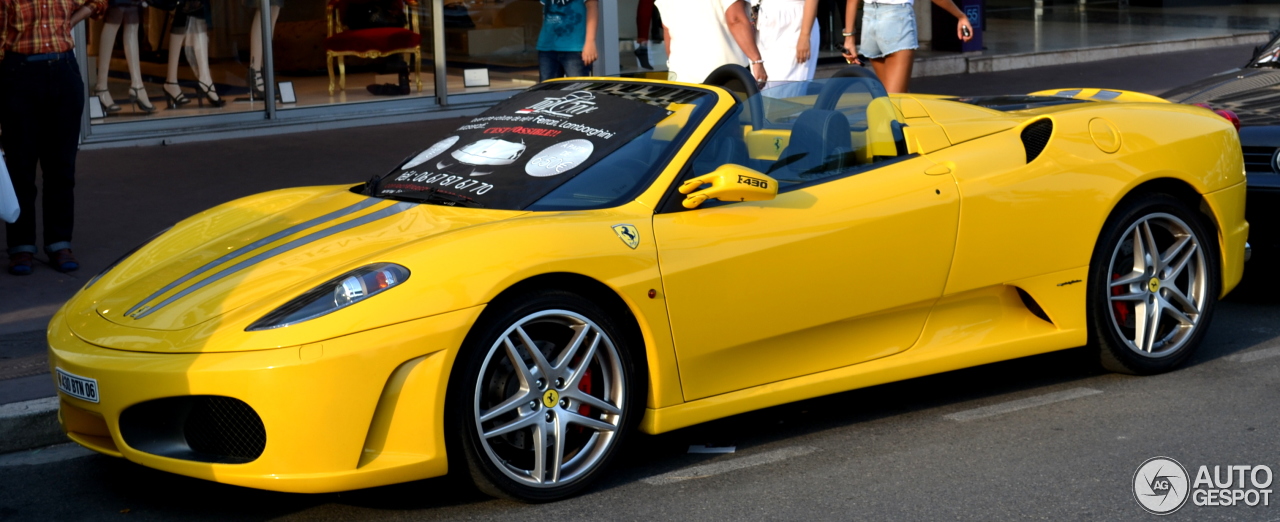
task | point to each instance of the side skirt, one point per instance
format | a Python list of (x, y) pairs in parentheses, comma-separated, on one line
[(968, 329)]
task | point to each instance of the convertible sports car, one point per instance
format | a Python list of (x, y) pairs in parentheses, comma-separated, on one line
[(667, 254), (1252, 94)]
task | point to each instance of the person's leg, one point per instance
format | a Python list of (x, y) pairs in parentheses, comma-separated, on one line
[(106, 46), (644, 20), (59, 143), (898, 39), (895, 70), (877, 65), (549, 66), (20, 108), (257, 83), (199, 35), (572, 65), (171, 88), (132, 56), (255, 39)]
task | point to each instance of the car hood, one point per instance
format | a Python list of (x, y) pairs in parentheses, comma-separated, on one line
[(1253, 94), (260, 252)]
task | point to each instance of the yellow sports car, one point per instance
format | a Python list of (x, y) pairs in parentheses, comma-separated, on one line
[(600, 255)]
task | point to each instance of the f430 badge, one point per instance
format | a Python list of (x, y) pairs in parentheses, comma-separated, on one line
[(628, 234)]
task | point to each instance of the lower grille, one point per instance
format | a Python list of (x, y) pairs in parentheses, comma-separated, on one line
[(204, 428), (225, 426), (1260, 159)]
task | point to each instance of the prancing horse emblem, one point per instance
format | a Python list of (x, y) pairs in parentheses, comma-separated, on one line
[(628, 234)]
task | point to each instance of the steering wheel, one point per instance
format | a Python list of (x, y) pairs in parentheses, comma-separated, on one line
[(732, 76)]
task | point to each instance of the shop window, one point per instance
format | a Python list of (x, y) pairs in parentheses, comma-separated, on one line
[(169, 58)]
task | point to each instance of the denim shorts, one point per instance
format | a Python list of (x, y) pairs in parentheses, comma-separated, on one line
[(887, 29)]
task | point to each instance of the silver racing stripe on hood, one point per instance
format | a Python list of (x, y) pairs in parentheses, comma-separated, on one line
[(256, 245), (139, 311)]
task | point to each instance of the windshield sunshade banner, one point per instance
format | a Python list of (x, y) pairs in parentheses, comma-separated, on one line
[(523, 148)]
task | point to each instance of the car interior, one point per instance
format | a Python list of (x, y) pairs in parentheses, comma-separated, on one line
[(807, 131)]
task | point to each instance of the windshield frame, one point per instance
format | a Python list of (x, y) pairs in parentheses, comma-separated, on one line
[(736, 113)]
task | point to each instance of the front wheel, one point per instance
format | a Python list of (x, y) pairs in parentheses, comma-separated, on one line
[(1153, 285), (547, 391)]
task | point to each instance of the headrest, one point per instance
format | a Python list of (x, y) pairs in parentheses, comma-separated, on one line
[(818, 135)]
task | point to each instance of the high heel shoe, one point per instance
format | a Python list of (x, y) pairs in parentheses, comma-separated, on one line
[(642, 56), (108, 105), (147, 107), (175, 100), (207, 91), (257, 84)]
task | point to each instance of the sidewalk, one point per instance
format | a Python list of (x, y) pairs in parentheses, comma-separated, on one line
[(1019, 38), (127, 194)]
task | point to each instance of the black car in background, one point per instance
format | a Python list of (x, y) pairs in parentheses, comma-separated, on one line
[(1252, 92)]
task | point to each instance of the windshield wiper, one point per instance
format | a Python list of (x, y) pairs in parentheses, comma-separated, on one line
[(436, 196)]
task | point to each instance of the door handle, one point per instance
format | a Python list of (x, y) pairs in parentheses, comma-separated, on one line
[(938, 170)]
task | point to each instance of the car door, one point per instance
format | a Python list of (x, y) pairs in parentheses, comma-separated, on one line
[(832, 272)]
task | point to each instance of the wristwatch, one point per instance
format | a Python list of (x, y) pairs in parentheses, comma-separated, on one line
[(846, 34)]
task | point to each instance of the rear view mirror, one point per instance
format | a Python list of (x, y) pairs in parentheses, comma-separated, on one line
[(729, 183)]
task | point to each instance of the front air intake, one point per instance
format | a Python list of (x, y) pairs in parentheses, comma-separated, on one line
[(203, 428), (1035, 137)]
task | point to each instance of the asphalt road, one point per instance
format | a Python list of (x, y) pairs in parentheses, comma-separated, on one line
[(1047, 437)]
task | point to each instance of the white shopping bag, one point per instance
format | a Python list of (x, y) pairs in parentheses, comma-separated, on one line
[(8, 199)]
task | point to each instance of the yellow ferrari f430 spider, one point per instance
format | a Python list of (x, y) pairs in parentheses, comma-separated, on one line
[(596, 256)]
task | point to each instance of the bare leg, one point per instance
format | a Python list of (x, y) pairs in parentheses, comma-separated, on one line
[(198, 37), (136, 88), (897, 70), (106, 44), (877, 65), (175, 56), (255, 40), (255, 50)]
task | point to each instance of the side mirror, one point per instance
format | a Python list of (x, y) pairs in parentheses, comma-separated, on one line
[(729, 183)]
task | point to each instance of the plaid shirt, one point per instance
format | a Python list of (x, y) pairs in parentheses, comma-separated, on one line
[(40, 26)]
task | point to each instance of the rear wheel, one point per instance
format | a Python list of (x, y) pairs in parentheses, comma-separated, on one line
[(1153, 285), (544, 393)]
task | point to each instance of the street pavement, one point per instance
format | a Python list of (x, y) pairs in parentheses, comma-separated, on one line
[(1047, 437)]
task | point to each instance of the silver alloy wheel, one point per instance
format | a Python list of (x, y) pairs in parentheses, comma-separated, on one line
[(1159, 285), (549, 397)]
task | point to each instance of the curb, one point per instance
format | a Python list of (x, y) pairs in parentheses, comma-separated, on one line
[(978, 63), (30, 424)]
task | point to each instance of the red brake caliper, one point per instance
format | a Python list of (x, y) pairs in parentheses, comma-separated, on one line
[(1122, 312), (585, 387)]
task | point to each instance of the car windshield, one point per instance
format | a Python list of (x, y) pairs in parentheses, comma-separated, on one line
[(559, 145), (1270, 55)]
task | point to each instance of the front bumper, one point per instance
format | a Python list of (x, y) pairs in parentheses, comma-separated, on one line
[(357, 411)]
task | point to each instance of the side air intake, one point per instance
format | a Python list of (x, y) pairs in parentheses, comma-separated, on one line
[(1035, 137)]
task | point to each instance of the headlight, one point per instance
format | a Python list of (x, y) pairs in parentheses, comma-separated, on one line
[(337, 293)]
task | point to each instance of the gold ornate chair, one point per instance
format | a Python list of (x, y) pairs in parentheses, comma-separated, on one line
[(374, 42)]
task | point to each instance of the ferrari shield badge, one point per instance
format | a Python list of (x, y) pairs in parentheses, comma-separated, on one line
[(628, 234)]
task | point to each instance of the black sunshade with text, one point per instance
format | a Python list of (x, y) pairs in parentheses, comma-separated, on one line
[(520, 150)]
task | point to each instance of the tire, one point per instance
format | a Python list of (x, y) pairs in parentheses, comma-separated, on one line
[(1147, 315), (500, 408)]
